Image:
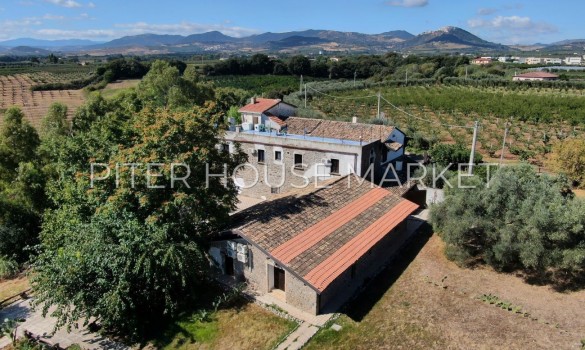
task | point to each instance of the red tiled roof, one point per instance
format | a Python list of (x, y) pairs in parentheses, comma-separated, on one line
[(261, 105), (311, 236), (277, 120), (338, 129), (327, 271), (537, 75), (317, 234)]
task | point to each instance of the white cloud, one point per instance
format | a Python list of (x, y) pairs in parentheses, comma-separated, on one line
[(511, 23), (90, 5), (64, 3), (512, 29), (51, 17), (486, 11), (408, 3)]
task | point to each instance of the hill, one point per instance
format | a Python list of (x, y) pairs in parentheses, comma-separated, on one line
[(446, 39), (449, 38)]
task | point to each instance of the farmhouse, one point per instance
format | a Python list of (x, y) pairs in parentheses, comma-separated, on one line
[(535, 76), (285, 152), (314, 249)]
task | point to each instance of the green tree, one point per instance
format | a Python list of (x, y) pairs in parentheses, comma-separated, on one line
[(521, 221), (18, 142), (163, 86), (132, 256), (444, 154), (298, 65), (55, 122), (568, 157)]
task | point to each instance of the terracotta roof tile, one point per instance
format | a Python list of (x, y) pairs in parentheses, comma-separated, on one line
[(338, 129), (338, 262), (261, 105), (310, 233)]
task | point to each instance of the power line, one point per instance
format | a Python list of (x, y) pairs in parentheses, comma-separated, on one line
[(341, 97), (426, 120)]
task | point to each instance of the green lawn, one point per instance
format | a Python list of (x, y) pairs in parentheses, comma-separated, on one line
[(245, 327)]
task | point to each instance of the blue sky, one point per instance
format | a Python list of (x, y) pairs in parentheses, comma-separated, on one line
[(501, 21)]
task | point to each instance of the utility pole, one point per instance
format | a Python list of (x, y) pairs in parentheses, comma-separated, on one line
[(465, 72), (354, 76), (301, 85), (406, 77), (379, 98), (472, 156), (504, 143), (305, 95)]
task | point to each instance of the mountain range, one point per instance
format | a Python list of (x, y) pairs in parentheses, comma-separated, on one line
[(444, 39)]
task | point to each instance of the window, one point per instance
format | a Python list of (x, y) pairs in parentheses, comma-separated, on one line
[(260, 156), (277, 155), (298, 161), (275, 190), (225, 147), (335, 166)]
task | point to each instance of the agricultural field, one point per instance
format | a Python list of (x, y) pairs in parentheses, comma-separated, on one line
[(115, 88), (15, 90), (259, 84), (65, 72), (537, 117)]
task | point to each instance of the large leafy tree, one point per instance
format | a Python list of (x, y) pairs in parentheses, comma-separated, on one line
[(523, 221), (21, 187), (132, 255), (568, 157)]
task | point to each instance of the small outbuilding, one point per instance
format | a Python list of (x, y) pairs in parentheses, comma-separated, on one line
[(314, 249)]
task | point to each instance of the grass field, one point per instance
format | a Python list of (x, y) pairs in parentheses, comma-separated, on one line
[(427, 302), (429, 108), (245, 327), (114, 89), (15, 90)]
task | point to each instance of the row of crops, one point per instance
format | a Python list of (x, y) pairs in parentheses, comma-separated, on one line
[(535, 120)]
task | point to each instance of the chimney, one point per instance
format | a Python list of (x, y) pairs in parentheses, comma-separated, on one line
[(354, 120), (253, 100)]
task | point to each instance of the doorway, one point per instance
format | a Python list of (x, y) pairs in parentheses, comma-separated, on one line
[(229, 266), (279, 278)]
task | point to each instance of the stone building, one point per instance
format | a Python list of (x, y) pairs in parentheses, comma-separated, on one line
[(286, 152), (314, 249)]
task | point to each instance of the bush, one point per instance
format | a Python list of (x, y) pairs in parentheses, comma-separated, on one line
[(522, 221), (8, 268)]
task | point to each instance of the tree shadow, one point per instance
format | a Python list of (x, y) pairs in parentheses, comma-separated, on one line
[(359, 307), (282, 208)]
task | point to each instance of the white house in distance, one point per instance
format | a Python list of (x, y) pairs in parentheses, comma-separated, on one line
[(574, 61), (535, 76)]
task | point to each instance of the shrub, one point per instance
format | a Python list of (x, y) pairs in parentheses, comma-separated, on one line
[(8, 267)]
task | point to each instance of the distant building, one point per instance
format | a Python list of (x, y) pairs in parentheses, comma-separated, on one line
[(550, 60), (574, 61), (533, 60), (504, 59), (536, 76), (482, 61)]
